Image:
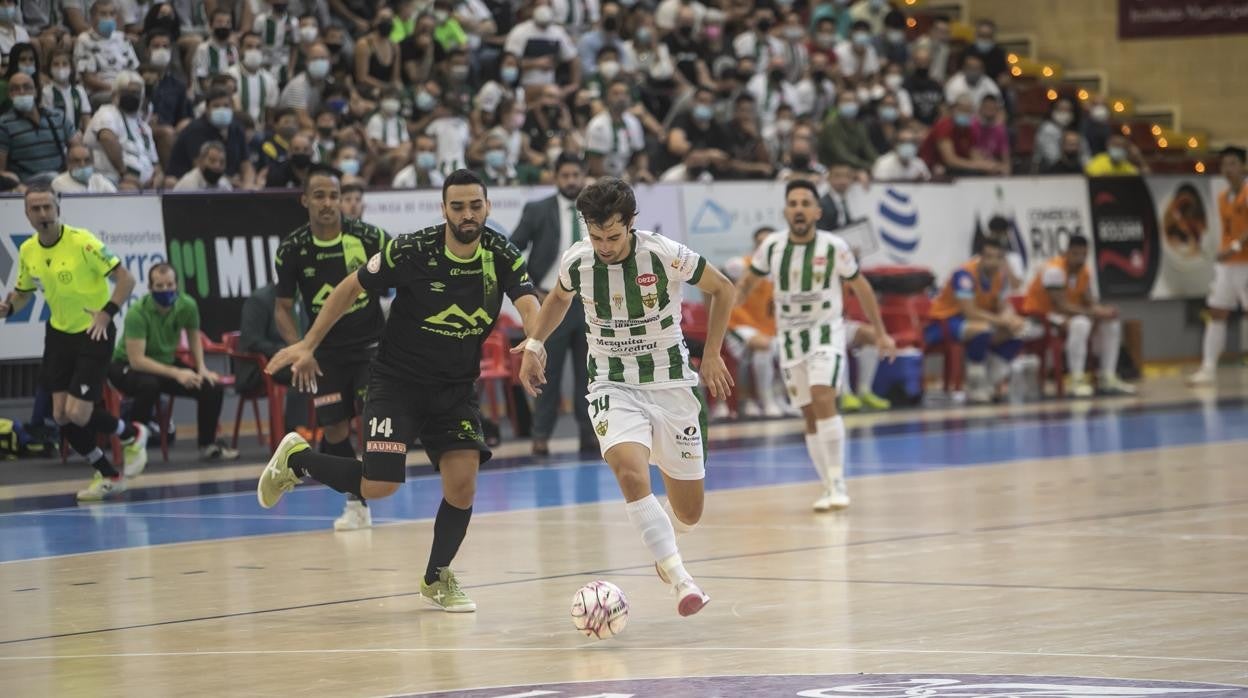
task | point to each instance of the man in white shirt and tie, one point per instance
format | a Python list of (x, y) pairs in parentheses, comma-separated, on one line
[(835, 203), (547, 228)]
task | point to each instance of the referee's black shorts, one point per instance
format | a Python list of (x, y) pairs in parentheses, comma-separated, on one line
[(446, 417), (76, 364)]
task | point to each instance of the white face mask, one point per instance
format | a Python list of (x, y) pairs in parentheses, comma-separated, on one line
[(1100, 113), (160, 57), (893, 81), (1063, 118), (609, 69), (390, 106), (543, 16), (253, 58), (60, 74), (308, 34), (784, 126)]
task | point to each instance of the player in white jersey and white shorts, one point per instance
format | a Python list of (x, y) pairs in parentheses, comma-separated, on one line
[(806, 267), (643, 394)]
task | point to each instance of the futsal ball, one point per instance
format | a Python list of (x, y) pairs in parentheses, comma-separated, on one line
[(599, 610)]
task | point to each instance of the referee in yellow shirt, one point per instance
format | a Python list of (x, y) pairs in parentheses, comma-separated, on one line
[(72, 268)]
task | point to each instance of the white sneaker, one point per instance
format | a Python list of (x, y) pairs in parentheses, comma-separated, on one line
[(690, 598), (839, 498), (1113, 385), (719, 412), (1202, 377), (824, 503), (134, 454), (101, 488), (750, 409), (355, 515), (771, 410)]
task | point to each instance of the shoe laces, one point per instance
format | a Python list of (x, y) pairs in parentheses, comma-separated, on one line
[(452, 584), (287, 480)]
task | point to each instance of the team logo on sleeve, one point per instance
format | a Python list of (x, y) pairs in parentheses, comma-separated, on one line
[(374, 263)]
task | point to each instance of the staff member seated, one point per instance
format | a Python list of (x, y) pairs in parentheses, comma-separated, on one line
[(972, 309), (144, 365)]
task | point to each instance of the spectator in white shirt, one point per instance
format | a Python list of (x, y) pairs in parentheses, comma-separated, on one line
[(665, 15), (452, 133), (80, 176), (894, 81), (543, 46), (816, 93), (208, 172), (277, 31), (758, 43), (121, 139), (219, 53), (857, 57), (771, 90), (387, 129), (423, 172), (303, 92), (12, 30), (614, 134), (102, 53), (970, 81), (64, 93), (257, 88), (902, 163)]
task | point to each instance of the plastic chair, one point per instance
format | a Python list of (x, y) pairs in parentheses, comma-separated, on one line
[(269, 390), (497, 373), (1050, 347), (164, 408)]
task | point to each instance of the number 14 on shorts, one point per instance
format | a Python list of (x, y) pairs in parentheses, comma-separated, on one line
[(380, 427)]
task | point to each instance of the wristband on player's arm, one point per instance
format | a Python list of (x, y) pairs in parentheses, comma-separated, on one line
[(536, 346), (111, 308)]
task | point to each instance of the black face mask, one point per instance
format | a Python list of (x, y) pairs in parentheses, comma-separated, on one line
[(300, 160), (764, 26), (745, 77), (220, 33), (325, 131), (129, 102), (920, 72), (384, 27), (776, 75), (552, 112), (686, 32), (819, 75), (610, 24), (334, 48), (212, 176)]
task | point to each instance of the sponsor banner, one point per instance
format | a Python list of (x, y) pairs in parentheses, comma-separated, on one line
[(1164, 18), (659, 210), (720, 218), (131, 227), (223, 246), (1124, 224), (1190, 230), (925, 225)]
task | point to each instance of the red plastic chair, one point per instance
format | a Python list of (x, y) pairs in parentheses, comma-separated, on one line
[(269, 390), (164, 408), (694, 323), (1050, 347), (497, 373)]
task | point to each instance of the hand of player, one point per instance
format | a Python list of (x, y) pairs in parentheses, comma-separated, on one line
[(189, 379), (5, 308), (100, 321), (887, 346), (302, 364), (1104, 312), (532, 370), (716, 376)]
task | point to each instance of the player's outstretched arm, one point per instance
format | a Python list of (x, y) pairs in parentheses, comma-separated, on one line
[(14, 302), (533, 365), (300, 355), (866, 296), (722, 294)]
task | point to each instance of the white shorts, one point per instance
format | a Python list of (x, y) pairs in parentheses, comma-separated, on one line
[(824, 365), (670, 422), (851, 331), (1229, 289)]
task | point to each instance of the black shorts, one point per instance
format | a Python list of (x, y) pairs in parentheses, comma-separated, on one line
[(75, 363), (446, 417), (342, 383)]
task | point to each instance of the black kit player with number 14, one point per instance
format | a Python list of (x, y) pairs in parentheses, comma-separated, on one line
[(449, 280)]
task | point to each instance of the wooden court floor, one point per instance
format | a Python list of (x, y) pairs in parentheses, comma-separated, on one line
[(1114, 563)]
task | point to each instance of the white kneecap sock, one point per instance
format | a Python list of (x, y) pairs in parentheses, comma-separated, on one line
[(1077, 332), (680, 527), (764, 364), (818, 457), (1213, 344), (1108, 342), (998, 369), (648, 517), (868, 362), (831, 432)]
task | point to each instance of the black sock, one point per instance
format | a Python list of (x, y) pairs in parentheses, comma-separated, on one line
[(82, 441), (342, 449), (449, 529), (342, 474)]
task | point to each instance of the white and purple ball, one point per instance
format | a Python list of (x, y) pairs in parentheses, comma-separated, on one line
[(600, 610)]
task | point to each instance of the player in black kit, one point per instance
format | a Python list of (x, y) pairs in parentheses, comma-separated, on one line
[(312, 260), (450, 280)]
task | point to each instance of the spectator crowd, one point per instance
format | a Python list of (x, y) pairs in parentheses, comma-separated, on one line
[(202, 94)]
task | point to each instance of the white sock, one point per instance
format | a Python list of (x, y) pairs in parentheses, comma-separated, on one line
[(680, 527), (831, 432), (1214, 343), (1077, 332), (998, 369), (764, 365), (868, 361), (818, 457), (648, 517), (1108, 342)]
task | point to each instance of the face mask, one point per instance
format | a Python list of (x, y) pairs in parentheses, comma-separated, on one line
[(895, 36), (425, 160), (349, 166), (459, 73), (318, 68), (984, 45), (643, 36), (1100, 113), (1063, 118), (784, 126), (221, 117), (609, 69), (800, 162), (849, 110), (703, 112), (8, 14), (888, 114), (385, 26), (764, 25), (962, 120), (390, 107), (129, 102), (325, 132), (165, 299), (818, 75), (861, 38), (82, 175), (425, 101), (440, 16), (543, 16), (212, 176), (160, 57), (495, 159), (552, 154), (300, 160), (686, 32), (253, 58), (60, 74), (23, 103), (334, 49), (106, 27), (893, 81), (1116, 153), (220, 33), (27, 68), (619, 106), (825, 40), (871, 94), (713, 32), (972, 78), (907, 151), (610, 24), (776, 74), (308, 34), (509, 73)]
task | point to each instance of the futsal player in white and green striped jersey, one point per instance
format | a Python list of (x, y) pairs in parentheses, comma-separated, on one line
[(643, 392), (807, 267)]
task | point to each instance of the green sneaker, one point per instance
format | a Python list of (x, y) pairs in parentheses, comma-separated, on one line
[(850, 403), (446, 594), (873, 401), (134, 452), (277, 478)]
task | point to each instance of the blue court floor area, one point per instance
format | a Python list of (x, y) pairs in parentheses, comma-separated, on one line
[(54, 526)]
